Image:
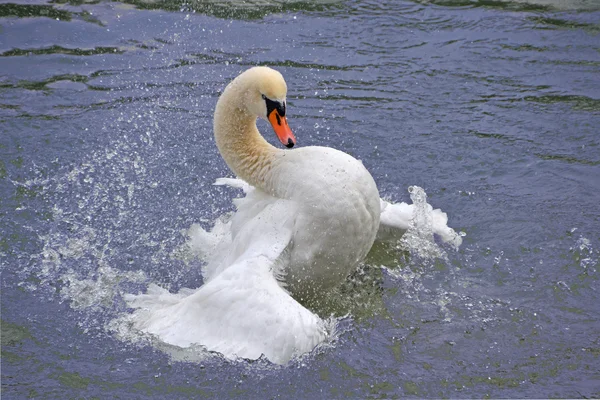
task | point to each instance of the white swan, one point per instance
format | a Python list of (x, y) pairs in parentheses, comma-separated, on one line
[(310, 215)]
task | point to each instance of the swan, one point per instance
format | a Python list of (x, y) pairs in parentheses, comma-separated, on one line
[(309, 216)]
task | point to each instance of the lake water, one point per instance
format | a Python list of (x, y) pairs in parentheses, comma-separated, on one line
[(107, 158)]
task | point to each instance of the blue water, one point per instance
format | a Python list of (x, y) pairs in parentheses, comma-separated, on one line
[(107, 157)]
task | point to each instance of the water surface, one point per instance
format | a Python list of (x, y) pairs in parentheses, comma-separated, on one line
[(493, 107)]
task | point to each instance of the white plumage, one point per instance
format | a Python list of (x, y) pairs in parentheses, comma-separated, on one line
[(308, 218)]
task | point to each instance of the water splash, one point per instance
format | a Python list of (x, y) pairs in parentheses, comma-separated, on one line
[(425, 221), (583, 252), (100, 236), (100, 290), (421, 223)]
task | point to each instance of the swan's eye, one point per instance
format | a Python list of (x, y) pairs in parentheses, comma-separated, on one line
[(275, 105), (264, 97)]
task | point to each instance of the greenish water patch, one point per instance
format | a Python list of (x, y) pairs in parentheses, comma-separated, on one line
[(23, 193), (42, 85), (522, 5), (574, 310), (62, 50), (74, 380), (17, 162), (30, 11), (525, 47), (10, 357), (593, 350), (582, 103), (3, 173), (498, 136), (500, 382), (88, 17), (45, 11), (381, 390), (501, 4), (595, 64), (352, 372), (410, 388), (554, 23), (13, 334), (361, 296), (565, 158), (236, 9), (189, 391), (9, 107)]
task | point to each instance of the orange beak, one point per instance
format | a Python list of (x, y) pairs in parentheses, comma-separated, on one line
[(282, 129)]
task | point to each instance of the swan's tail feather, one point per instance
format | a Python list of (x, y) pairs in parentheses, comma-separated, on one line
[(241, 282), (262, 318)]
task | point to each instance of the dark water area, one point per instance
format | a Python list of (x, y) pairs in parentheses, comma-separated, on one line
[(107, 158)]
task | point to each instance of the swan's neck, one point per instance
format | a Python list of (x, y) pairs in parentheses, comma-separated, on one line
[(242, 147)]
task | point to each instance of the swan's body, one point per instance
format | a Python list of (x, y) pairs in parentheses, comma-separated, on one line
[(309, 217), (331, 213)]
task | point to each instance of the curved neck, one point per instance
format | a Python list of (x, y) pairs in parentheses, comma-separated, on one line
[(245, 151)]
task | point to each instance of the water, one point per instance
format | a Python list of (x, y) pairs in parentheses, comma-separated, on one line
[(108, 158)]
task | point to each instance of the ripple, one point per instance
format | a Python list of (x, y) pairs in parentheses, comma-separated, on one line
[(107, 153), (559, 23), (237, 9), (582, 103), (62, 50), (567, 159), (45, 11), (42, 85), (521, 5)]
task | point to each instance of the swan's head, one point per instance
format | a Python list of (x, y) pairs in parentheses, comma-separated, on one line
[(265, 98)]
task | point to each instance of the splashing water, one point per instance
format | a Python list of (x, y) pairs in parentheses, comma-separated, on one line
[(425, 221), (91, 254), (422, 222)]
